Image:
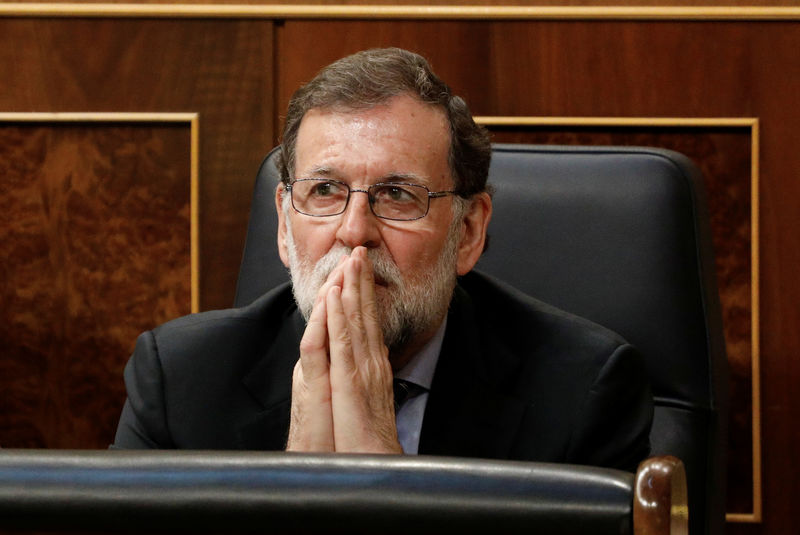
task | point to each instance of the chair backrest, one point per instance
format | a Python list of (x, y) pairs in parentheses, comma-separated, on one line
[(619, 235)]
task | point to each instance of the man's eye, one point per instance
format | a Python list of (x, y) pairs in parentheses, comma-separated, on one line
[(394, 194), (324, 189)]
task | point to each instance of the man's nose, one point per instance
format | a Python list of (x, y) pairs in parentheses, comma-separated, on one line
[(358, 226)]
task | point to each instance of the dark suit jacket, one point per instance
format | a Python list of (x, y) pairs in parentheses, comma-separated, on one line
[(516, 379)]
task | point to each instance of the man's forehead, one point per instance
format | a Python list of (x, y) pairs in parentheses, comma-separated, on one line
[(360, 106), (402, 105), (401, 139)]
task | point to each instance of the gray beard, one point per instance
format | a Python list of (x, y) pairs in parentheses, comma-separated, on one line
[(408, 306)]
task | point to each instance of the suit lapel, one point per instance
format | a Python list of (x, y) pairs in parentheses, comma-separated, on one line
[(270, 383), (467, 413)]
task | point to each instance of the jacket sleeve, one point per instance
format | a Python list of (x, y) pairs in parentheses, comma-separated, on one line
[(613, 426), (143, 423)]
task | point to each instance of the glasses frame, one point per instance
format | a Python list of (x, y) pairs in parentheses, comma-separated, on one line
[(370, 198)]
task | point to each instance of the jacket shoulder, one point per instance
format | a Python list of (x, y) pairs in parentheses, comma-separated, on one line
[(197, 333), (583, 386), (235, 336), (524, 322), (187, 379)]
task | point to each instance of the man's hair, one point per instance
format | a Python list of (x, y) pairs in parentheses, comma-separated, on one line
[(369, 78)]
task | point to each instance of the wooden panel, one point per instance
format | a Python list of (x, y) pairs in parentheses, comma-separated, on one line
[(221, 69), (295, 8), (89, 214), (458, 51), (97, 273)]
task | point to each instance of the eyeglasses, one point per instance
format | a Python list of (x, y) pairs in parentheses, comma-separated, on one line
[(397, 201)]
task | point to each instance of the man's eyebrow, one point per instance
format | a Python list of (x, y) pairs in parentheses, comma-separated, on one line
[(404, 177), (325, 171), (322, 170)]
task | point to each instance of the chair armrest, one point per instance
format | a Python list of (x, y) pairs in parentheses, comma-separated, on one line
[(270, 492), (660, 501)]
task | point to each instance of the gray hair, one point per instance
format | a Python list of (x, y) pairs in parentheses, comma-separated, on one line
[(369, 78)]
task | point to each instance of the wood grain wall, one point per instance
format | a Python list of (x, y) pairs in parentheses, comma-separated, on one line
[(94, 220), (237, 74)]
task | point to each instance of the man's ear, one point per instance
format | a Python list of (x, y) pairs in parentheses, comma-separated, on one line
[(475, 223), (282, 250)]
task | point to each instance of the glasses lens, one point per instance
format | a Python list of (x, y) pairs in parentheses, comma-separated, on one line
[(400, 202), (319, 197)]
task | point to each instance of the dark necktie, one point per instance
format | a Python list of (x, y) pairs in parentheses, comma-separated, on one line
[(403, 390)]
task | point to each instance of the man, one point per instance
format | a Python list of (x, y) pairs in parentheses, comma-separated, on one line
[(383, 209)]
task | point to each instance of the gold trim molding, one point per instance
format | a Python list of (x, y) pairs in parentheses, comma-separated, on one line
[(699, 122), (192, 119), (307, 11)]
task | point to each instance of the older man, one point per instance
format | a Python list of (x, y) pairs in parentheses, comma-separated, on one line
[(388, 342)]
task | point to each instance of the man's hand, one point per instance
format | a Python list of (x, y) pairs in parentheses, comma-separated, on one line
[(311, 426), (342, 397)]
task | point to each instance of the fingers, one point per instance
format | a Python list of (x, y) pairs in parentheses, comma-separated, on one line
[(361, 387), (314, 344), (339, 333), (311, 420), (369, 302), (361, 376), (360, 307), (346, 319), (342, 389)]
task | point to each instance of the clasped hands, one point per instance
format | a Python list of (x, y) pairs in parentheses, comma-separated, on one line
[(342, 396)]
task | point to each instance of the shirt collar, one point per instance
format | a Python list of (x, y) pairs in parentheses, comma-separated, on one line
[(421, 367)]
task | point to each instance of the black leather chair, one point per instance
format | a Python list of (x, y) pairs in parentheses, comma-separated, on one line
[(621, 236)]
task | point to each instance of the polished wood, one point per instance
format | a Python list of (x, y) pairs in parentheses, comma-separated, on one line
[(89, 213), (497, 9), (74, 292), (221, 70), (660, 499)]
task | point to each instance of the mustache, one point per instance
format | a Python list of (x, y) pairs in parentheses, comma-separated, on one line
[(384, 270)]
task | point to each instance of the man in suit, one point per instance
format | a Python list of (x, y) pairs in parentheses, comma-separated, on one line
[(387, 341)]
